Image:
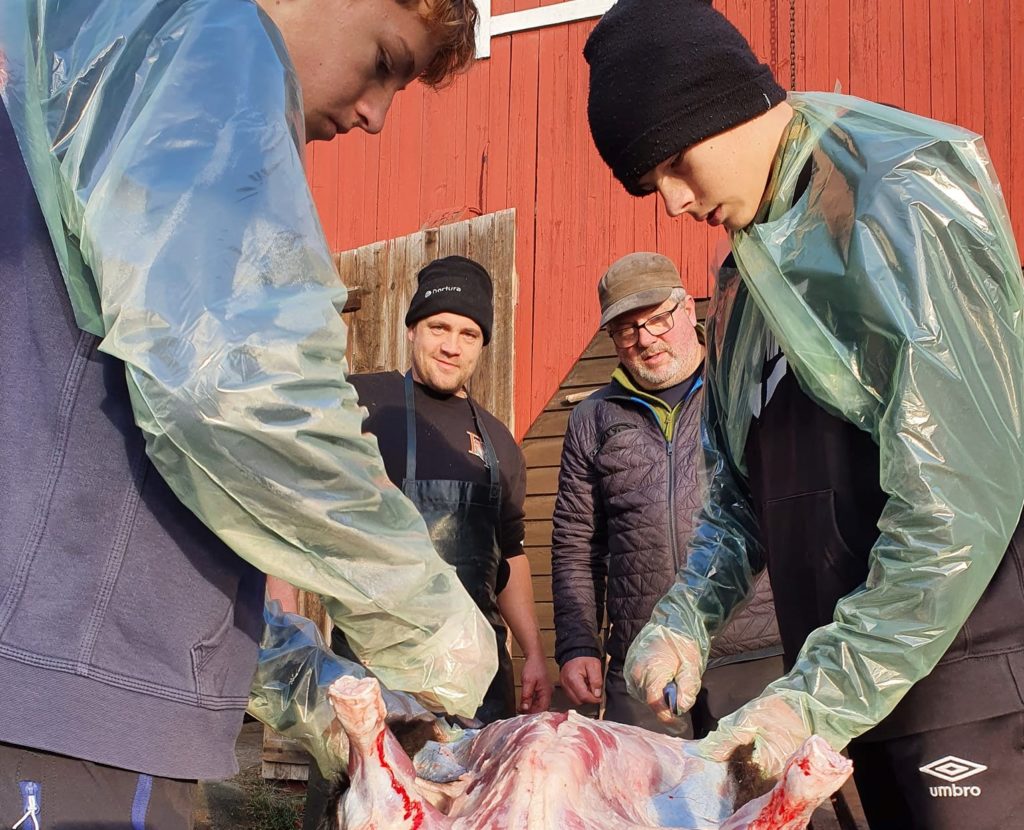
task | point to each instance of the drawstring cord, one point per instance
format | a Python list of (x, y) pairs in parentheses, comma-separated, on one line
[(30, 798), (30, 813)]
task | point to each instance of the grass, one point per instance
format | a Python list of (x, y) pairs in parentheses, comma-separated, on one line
[(271, 807)]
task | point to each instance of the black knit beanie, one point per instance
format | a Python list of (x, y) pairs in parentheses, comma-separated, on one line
[(456, 285), (665, 75)]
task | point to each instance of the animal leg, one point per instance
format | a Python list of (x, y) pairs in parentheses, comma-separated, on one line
[(382, 792), (812, 774)]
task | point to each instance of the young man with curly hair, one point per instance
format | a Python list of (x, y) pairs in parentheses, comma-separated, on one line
[(173, 371)]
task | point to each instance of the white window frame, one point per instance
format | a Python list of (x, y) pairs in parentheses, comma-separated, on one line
[(522, 21)]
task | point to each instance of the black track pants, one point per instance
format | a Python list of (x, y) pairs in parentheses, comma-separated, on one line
[(971, 779)]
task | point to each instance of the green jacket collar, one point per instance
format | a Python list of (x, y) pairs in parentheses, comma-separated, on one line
[(666, 415)]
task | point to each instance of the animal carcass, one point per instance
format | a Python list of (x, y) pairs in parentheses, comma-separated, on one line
[(558, 771)]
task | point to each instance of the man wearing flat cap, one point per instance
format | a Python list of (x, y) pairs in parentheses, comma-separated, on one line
[(628, 490)]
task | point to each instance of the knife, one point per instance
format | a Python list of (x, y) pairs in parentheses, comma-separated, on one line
[(671, 694)]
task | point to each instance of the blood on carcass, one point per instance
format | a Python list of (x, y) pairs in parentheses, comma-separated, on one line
[(777, 813), (413, 808), (560, 770)]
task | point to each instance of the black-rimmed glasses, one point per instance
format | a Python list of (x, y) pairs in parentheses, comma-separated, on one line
[(627, 336)]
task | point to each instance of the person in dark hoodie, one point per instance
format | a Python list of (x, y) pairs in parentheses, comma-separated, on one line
[(864, 415), (174, 412), (628, 489)]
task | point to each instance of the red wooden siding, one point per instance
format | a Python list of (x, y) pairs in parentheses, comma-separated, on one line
[(513, 133)]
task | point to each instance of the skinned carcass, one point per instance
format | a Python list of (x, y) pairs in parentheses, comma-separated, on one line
[(560, 770)]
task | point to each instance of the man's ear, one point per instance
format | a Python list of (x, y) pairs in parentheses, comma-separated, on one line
[(410, 332), (691, 309)]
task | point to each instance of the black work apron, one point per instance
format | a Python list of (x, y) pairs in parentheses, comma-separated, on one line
[(462, 519), (814, 482)]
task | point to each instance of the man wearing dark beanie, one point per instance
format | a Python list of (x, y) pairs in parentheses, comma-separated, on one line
[(865, 384), (462, 469), (698, 79), (457, 285)]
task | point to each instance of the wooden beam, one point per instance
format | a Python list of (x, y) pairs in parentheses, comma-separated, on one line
[(489, 26), (542, 16), (538, 533), (542, 481), (549, 424), (354, 300)]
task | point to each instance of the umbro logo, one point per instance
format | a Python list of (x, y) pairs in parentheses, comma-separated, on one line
[(953, 770)]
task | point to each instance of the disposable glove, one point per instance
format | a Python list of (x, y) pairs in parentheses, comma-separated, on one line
[(774, 727), (660, 656)]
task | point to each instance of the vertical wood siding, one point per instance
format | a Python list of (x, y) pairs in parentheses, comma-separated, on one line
[(512, 133)]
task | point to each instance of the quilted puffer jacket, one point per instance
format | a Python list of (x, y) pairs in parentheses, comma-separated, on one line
[(628, 490)]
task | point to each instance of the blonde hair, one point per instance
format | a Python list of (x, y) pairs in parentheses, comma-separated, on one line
[(453, 22)]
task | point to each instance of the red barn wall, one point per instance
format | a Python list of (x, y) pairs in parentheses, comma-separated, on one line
[(512, 132)]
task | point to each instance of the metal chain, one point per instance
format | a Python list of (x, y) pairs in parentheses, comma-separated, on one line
[(792, 45), (774, 14)]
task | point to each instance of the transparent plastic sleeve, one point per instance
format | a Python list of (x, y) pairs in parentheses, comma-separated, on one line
[(893, 285), (723, 553), (165, 143)]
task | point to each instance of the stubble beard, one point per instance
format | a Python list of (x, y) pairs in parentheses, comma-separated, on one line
[(443, 383), (667, 375)]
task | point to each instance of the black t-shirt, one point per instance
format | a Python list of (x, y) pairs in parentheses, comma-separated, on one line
[(675, 394), (447, 445)]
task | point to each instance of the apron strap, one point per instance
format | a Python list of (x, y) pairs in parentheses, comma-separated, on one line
[(410, 429), (490, 457)]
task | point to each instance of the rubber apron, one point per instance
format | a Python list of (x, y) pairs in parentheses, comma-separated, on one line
[(462, 518)]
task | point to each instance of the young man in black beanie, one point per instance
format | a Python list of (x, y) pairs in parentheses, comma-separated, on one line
[(462, 469), (864, 416)]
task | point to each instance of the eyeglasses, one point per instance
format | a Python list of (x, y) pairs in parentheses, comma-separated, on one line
[(628, 336)]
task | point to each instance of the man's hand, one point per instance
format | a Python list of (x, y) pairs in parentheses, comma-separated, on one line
[(515, 603), (581, 679), (660, 656), (537, 688), (774, 727), (284, 593)]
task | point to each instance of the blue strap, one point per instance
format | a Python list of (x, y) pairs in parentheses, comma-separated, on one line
[(697, 384), (140, 803)]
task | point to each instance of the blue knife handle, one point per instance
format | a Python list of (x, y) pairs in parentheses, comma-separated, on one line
[(671, 696)]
